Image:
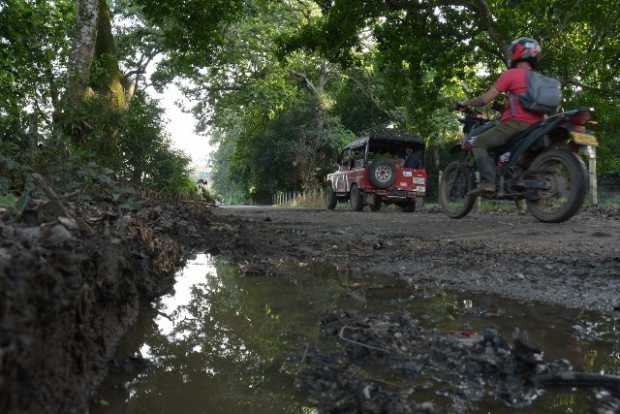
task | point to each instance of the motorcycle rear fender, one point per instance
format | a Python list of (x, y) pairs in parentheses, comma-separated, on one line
[(541, 138), (538, 138)]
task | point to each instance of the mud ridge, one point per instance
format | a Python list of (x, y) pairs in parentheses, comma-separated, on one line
[(72, 280)]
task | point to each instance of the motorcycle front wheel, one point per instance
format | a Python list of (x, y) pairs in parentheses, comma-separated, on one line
[(457, 181), (564, 177)]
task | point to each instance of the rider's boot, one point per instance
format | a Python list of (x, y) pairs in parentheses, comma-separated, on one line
[(486, 167), (483, 189)]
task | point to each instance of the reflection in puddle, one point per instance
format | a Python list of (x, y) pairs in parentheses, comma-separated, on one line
[(196, 275), (220, 342)]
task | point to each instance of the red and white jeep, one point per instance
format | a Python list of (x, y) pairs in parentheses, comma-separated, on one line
[(385, 167)]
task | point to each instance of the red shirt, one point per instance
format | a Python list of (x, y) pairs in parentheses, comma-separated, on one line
[(515, 82)]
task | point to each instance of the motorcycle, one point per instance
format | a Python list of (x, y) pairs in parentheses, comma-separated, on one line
[(540, 165)]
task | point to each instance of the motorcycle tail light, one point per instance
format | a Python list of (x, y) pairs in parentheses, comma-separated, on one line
[(581, 118), (579, 128)]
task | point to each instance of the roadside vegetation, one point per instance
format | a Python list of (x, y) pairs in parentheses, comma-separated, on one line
[(73, 93), (279, 87), (298, 79)]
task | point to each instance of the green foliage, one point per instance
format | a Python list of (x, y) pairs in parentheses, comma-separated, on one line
[(132, 143), (33, 49), (8, 201), (127, 142), (280, 86), (422, 55), (356, 110), (170, 173), (190, 32)]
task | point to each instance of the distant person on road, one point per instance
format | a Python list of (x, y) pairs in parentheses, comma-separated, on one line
[(525, 53)]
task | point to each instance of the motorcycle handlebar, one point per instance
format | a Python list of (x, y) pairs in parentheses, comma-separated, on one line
[(460, 106)]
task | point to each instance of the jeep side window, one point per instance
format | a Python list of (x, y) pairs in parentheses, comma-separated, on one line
[(342, 159), (358, 157), (347, 160)]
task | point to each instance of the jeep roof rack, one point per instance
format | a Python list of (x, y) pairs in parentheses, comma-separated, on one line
[(386, 135)]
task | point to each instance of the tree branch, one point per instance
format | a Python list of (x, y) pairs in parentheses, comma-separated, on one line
[(479, 7), (486, 16), (394, 115), (609, 93), (307, 80)]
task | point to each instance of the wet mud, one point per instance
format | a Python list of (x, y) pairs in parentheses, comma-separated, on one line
[(310, 338), (72, 279), (71, 286)]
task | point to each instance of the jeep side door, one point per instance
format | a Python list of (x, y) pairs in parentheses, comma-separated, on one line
[(355, 168), (340, 183)]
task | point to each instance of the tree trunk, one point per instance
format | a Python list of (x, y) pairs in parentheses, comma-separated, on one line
[(94, 70), (488, 22), (312, 145), (108, 81), (82, 51)]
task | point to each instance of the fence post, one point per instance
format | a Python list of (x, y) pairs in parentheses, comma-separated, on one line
[(440, 176), (592, 170)]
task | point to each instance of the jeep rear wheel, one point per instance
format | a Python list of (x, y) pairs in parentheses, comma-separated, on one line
[(408, 206), (330, 197), (382, 174), (357, 201), (376, 203)]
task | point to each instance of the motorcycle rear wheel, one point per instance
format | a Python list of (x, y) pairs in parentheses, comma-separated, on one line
[(565, 176), (456, 182)]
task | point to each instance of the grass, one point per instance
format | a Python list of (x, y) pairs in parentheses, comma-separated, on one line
[(606, 199), (311, 199)]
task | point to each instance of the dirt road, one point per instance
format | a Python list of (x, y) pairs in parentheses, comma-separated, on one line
[(575, 264)]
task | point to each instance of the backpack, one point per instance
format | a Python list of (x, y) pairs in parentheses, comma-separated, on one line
[(543, 95)]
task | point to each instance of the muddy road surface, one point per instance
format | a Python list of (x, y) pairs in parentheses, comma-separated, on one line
[(304, 311), (574, 264)]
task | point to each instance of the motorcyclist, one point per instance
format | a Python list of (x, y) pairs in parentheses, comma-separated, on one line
[(525, 53)]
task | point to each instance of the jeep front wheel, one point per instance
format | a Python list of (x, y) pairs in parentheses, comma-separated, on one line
[(357, 201)]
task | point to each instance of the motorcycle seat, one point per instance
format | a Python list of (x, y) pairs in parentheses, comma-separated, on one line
[(507, 147)]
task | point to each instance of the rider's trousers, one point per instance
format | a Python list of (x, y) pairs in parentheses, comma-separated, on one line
[(492, 138)]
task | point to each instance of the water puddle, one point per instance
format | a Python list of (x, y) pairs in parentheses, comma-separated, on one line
[(226, 343)]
